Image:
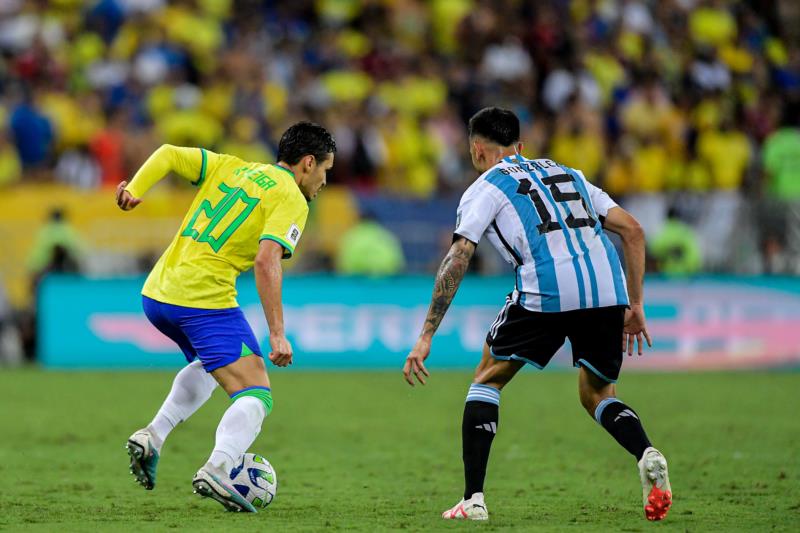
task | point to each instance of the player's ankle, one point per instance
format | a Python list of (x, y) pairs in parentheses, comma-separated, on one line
[(221, 461), (155, 440)]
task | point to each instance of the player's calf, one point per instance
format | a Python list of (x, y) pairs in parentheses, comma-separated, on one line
[(622, 423), (240, 425), (478, 428), (598, 397)]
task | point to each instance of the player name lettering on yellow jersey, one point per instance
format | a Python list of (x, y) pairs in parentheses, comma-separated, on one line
[(256, 176)]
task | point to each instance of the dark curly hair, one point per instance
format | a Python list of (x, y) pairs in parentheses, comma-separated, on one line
[(498, 125), (305, 138)]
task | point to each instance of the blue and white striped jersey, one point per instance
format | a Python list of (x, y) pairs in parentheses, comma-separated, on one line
[(545, 219)]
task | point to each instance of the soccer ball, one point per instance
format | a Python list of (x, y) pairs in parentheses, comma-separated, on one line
[(255, 480)]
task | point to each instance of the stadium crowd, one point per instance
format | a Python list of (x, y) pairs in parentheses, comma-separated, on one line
[(684, 110)]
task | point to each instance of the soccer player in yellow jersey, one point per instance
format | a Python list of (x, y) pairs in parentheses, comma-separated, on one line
[(244, 215)]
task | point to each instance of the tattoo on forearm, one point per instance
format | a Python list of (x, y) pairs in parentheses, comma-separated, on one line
[(448, 278)]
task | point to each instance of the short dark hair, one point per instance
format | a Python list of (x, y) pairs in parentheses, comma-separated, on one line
[(305, 138), (498, 125)]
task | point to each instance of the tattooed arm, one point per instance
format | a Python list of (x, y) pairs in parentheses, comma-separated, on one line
[(448, 278)]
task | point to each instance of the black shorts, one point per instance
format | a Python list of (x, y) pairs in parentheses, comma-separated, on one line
[(531, 337)]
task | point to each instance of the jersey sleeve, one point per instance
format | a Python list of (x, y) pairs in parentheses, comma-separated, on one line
[(477, 209), (192, 164), (601, 201), (286, 223)]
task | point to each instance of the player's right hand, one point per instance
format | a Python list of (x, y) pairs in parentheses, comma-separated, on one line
[(125, 200), (634, 329), (415, 362), (281, 354)]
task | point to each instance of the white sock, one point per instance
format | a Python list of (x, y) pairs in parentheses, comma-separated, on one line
[(239, 427), (191, 389)]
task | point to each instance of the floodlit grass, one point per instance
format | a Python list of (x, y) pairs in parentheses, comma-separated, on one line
[(365, 451)]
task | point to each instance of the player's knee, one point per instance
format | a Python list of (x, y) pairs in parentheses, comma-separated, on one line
[(592, 390), (590, 399), (496, 382), (495, 373), (263, 394)]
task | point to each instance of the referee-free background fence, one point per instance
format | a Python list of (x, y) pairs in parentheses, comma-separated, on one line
[(350, 323)]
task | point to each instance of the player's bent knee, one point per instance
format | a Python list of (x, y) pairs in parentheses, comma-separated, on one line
[(495, 373), (263, 394), (242, 374)]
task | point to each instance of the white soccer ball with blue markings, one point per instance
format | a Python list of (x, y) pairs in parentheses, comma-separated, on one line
[(255, 479)]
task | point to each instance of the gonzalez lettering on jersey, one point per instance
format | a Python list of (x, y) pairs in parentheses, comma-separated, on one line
[(546, 220)]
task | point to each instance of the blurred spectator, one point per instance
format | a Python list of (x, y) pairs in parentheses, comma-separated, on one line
[(369, 249), (712, 23), (726, 153), (578, 140), (708, 73), (243, 142), (781, 158), (10, 166), (57, 248), (777, 259), (567, 81), (108, 148), (32, 131), (507, 61), (676, 248), (649, 113), (647, 172), (78, 168)]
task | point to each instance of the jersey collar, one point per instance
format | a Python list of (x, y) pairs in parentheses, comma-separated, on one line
[(284, 169)]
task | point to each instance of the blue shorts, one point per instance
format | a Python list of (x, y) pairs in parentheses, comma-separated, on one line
[(217, 337)]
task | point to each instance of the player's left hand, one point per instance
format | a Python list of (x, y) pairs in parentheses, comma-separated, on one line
[(415, 362), (125, 200), (281, 354), (634, 329)]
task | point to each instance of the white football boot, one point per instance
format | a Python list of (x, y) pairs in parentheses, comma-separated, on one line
[(472, 509), (656, 491), (144, 458), (209, 482)]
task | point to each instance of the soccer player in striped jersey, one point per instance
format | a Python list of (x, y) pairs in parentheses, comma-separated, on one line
[(547, 221), (245, 215)]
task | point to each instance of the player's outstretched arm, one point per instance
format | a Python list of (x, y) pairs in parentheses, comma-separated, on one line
[(448, 279), (269, 281), (189, 163), (633, 247)]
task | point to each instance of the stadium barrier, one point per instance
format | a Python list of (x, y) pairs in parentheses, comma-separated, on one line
[(346, 323)]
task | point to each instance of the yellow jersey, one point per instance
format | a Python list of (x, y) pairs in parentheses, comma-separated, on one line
[(238, 205)]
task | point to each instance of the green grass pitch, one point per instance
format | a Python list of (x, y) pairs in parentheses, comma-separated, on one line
[(365, 451)]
